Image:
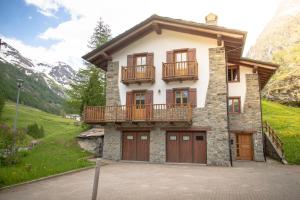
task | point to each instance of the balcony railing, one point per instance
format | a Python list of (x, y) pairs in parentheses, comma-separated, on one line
[(138, 74), (135, 113), (187, 70)]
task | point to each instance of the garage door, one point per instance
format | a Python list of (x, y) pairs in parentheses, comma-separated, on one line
[(135, 146), (186, 147)]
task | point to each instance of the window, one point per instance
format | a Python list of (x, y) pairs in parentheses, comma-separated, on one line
[(233, 74), (140, 100), (141, 60), (181, 62), (234, 105), (181, 97)]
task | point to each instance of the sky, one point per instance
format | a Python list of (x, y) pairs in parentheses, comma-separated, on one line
[(59, 30)]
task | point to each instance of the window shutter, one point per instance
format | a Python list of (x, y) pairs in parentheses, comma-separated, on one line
[(150, 60), (193, 97), (191, 54), (130, 60), (149, 103), (170, 56), (129, 103), (170, 97)]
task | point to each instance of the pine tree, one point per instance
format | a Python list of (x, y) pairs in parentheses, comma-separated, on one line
[(102, 34)]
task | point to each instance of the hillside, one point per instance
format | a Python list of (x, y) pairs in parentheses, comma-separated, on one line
[(286, 121), (280, 38), (35, 91), (57, 152)]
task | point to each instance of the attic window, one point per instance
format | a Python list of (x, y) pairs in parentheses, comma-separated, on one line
[(233, 73)]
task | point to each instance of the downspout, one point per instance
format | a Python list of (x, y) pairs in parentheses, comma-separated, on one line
[(229, 143), (261, 120)]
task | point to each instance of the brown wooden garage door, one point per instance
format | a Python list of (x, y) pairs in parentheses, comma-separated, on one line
[(186, 147), (135, 146)]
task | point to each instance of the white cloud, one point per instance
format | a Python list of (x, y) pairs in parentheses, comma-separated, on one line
[(72, 35)]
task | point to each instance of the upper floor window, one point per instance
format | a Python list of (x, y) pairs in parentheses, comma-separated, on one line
[(233, 73), (181, 96), (234, 104), (181, 56), (141, 60)]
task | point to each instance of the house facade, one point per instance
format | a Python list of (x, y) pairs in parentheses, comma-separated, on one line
[(180, 91)]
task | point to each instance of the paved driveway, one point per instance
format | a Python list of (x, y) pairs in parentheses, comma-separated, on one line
[(153, 181)]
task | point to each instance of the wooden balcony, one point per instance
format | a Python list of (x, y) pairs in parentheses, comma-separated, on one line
[(138, 74), (134, 113), (180, 71)]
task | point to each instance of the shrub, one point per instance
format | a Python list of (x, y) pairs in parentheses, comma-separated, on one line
[(7, 157), (34, 131)]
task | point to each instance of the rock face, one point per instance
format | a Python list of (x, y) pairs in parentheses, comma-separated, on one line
[(58, 75), (278, 41)]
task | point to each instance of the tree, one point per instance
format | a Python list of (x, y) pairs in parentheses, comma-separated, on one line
[(102, 34), (89, 88)]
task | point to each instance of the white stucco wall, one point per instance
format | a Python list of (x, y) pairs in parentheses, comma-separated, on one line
[(159, 45), (239, 88)]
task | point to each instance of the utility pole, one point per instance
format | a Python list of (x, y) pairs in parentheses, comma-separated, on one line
[(19, 85), (96, 179)]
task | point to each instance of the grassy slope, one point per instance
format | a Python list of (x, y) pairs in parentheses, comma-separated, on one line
[(286, 121), (57, 152)]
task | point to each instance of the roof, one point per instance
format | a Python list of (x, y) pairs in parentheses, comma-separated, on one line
[(94, 132), (233, 39)]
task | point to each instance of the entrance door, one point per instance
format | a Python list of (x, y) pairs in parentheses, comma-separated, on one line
[(244, 147), (186, 147), (139, 109), (199, 147), (136, 146)]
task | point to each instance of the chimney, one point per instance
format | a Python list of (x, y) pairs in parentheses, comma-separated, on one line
[(211, 19)]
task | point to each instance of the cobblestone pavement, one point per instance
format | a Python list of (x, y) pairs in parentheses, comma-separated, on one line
[(120, 180)]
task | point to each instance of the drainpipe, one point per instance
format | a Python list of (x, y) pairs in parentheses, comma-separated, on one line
[(261, 120), (229, 143)]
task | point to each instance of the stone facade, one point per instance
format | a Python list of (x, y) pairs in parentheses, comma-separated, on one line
[(112, 81), (157, 145), (112, 137), (112, 143), (249, 120), (214, 114)]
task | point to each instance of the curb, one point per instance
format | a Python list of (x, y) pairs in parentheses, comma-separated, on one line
[(48, 177)]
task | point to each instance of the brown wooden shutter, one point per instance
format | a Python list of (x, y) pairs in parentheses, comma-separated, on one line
[(193, 97), (129, 103), (170, 56), (130, 60), (191, 54), (149, 104), (150, 60), (170, 99)]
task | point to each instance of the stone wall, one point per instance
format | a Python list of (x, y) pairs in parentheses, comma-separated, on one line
[(250, 119), (214, 114), (93, 145), (157, 145), (112, 143), (112, 82)]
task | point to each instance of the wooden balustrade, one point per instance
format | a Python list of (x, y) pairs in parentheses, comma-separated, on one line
[(137, 113), (273, 136), (187, 70), (138, 74)]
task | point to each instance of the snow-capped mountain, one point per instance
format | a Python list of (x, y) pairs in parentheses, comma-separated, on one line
[(58, 75)]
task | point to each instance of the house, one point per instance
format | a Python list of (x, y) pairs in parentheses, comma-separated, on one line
[(180, 91)]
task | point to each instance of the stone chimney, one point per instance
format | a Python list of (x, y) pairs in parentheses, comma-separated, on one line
[(211, 19)]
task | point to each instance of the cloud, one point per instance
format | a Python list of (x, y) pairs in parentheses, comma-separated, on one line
[(30, 17), (72, 35)]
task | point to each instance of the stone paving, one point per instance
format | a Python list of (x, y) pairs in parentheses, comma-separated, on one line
[(120, 180)]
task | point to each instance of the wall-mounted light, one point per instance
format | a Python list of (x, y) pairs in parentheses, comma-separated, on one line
[(159, 91)]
